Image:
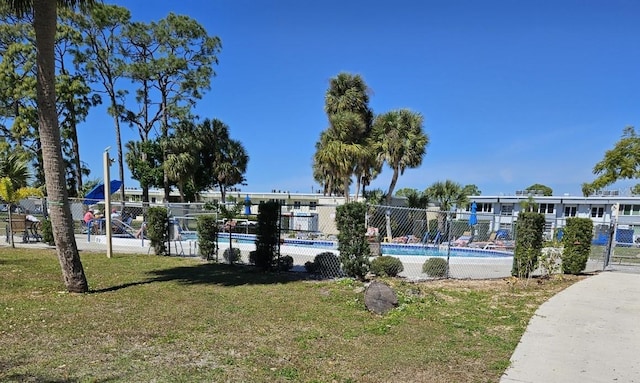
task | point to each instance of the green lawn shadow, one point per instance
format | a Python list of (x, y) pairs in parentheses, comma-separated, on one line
[(214, 274)]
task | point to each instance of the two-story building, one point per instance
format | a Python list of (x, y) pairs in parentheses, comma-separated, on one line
[(603, 209)]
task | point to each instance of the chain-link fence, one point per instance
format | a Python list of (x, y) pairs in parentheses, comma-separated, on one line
[(619, 245), (309, 235), (429, 243)]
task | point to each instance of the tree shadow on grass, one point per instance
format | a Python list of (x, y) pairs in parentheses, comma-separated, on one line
[(6, 375), (214, 274)]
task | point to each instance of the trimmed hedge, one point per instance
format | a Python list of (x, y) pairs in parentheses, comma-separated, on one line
[(326, 264), (158, 229), (577, 244), (529, 241), (235, 257), (267, 235), (435, 267), (207, 227), (352, 241), (386, 266), (47, 233)]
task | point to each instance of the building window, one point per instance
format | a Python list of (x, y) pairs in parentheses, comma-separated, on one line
[(597, 212), (312, 205), (546, 208), (296, 205), (570, 211), (482, 207), (505, 226), (629, 210), (506, 210)]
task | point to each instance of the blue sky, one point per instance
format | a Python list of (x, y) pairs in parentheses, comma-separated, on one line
[(512, 92)]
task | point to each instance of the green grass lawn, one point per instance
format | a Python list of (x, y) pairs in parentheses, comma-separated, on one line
[(162, 319)]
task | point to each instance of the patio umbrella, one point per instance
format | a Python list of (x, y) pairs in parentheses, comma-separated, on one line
[(247, 205), (97, 193)]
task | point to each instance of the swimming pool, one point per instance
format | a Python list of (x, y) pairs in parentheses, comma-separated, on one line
[(398, 249), (440, 251)]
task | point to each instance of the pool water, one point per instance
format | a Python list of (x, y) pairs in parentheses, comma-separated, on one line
[(386, 248), (435, 251)]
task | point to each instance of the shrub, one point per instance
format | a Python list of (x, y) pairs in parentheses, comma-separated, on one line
[(285, 263), (435, 267), (386, 266), (549, 261), (529, 229), (158, 229), (207, 233), (234, 258), (47, 232), (577, 244), (267, 235), (352, 241), (310, 267), (326, 264)]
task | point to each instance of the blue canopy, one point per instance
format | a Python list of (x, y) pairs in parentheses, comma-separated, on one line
[(247, 205), (473, 218), (97, 193)]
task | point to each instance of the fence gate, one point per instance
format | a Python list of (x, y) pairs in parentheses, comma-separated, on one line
[(623, 251)]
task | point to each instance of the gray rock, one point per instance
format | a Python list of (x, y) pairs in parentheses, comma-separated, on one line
[(380, 298)]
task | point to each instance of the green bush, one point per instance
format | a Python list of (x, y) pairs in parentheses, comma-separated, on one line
[(47, 232), (529, 241), (435, 267), (285, 263), (326, 264), (577, 244), (234, 258), (310, 267), (387, 266), (207, 227), (158, 229), (267, 235), (352, 241)]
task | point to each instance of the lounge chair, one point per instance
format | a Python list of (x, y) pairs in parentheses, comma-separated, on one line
[(463, 240)]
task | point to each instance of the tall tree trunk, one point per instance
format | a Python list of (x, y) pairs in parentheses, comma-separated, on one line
[(223, 194), (45, 18), (346, 189), (75, 147), (145, 194), (120, 158), (394, 180), (165, 138)]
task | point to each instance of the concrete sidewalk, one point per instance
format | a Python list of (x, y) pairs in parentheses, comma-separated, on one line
[(590, 332)]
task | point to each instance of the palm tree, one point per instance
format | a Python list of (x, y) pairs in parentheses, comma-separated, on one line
[(15, 167), (446, 194), (401, 142), (44, 23), (342, 150), (232, 166), (323, 171), (179, 169), (415, 198)]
